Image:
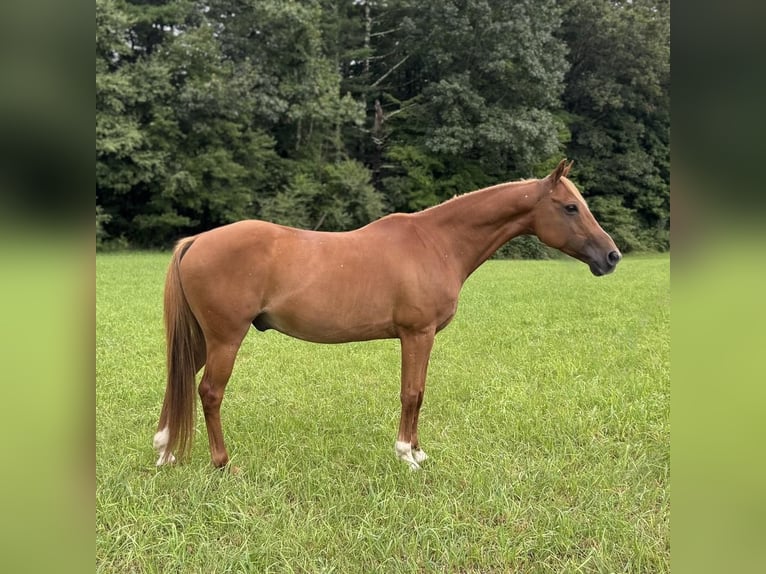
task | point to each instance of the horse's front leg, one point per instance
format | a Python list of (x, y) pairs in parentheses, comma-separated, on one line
[(416, 350), (418, 453)]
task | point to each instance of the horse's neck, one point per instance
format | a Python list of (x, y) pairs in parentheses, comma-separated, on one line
[(473, 226)]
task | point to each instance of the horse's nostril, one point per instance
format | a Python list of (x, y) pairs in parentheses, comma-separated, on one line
[(614, 257)]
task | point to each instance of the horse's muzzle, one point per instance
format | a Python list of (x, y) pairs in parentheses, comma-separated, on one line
[(599, 268)]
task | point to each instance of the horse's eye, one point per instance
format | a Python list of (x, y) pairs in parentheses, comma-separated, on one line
[(571, 208)]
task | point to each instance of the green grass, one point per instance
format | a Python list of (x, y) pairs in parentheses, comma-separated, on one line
[(546, 420)]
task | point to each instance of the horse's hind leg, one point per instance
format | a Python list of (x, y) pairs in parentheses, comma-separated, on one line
[(218, 366)]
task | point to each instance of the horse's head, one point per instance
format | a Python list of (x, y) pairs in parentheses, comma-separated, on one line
[(562, 220)]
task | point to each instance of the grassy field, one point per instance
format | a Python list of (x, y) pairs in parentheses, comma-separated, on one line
[(546, 419)]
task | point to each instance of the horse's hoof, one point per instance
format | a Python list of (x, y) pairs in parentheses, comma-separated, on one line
[(419, 455), (404, 452), (229, 468), (163, 460)]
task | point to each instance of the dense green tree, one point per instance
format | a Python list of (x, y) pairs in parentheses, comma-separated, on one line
[(214, 108), (334, 195), (618, 103), (127, 164), (468, 91), (328, 113)]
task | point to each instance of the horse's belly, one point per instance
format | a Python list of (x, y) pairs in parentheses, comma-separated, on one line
[(327, 322)]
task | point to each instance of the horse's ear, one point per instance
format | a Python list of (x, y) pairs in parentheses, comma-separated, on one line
[(561, 170)]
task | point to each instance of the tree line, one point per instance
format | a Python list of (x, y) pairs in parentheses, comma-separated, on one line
[(326, 114)]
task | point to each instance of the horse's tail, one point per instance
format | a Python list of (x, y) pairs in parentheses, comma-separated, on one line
[(185, 353)]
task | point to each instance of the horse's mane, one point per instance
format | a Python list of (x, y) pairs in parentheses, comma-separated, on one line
[(480, 191)]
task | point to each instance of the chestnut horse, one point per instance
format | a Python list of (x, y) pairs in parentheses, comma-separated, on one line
[(398, 277)]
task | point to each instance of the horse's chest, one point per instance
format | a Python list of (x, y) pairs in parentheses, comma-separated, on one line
[(428, 306)]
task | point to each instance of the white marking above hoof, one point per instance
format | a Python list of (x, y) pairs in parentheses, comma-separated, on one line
[(160, 443), (404, 452)]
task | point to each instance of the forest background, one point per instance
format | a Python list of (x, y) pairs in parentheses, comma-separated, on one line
[(328, 114)]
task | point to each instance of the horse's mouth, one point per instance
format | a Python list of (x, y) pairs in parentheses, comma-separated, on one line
[(598, 263), (599, 269)]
